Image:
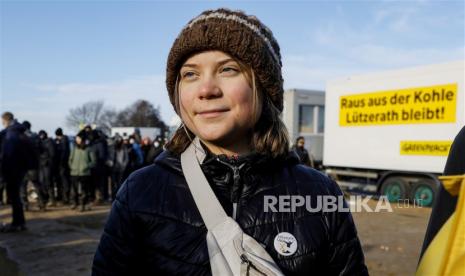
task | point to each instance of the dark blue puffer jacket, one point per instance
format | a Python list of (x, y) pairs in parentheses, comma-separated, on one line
[(17, 151), (155, 228)]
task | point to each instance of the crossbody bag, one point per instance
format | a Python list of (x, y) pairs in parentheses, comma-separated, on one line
[(231, 251)]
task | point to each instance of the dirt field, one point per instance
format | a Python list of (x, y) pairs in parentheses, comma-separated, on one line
[(62, 242), (57, 242), (392, 241)]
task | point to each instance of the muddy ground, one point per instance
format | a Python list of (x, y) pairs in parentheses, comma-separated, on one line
[(62, 242)]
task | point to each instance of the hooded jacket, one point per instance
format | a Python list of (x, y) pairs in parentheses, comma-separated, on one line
[(17, 151), (155, 228), (81, 161)]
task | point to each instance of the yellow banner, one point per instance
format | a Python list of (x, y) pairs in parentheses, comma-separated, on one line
[(432, 148), (419, 105)]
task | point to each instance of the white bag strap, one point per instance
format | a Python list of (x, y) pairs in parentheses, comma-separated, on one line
[(209, 207)]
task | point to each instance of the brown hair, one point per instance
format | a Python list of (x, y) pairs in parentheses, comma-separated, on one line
[(268, 136)]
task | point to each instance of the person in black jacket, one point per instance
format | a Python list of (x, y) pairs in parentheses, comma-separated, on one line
[(299, 149), (100, 182), (16, 160), (155, 148), (224, 81), (62, 177), (32, 174), (46, 157), (120, 162)]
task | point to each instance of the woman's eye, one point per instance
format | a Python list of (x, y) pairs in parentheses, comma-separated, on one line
[(229, 69), (188, 74)]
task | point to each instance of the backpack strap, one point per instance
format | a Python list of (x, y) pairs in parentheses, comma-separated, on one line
[(209, 207)]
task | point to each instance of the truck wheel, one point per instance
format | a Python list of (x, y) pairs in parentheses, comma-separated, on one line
[(395, 189), (424, 192)]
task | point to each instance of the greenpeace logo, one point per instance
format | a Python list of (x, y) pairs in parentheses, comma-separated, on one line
[(432, 148)]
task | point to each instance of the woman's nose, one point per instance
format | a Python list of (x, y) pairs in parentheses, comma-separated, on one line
[(209, 89)]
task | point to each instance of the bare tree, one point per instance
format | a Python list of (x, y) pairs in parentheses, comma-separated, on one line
[(107, 120), (93, 112), (140, 114)]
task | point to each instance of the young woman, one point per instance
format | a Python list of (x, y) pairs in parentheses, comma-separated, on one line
[(224, 80)]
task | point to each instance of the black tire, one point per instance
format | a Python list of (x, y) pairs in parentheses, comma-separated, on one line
[(396, 189), (424, 192)]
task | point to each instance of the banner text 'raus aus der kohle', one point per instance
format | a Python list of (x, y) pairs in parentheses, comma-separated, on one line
[(417, 105)]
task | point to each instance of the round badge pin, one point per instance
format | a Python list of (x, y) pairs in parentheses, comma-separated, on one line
[(285, 244)]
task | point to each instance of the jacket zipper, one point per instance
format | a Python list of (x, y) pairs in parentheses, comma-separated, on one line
[(250, 265), (236, 177)]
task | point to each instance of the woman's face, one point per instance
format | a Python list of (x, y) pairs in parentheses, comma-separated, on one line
[(216, 100)]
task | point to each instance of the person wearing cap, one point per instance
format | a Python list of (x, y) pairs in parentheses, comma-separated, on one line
[(224, 81)]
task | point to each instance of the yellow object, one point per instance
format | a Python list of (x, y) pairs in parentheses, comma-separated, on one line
[(445, 254), (418, 105)]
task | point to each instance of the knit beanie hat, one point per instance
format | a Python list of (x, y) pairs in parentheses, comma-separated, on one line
[(242, 36)]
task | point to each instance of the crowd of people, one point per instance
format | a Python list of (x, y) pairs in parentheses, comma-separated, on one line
[(78, 171)]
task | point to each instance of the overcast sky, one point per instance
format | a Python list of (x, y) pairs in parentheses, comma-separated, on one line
[(57, 55)]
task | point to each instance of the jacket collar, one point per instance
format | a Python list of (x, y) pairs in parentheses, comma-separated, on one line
[(255, 160)]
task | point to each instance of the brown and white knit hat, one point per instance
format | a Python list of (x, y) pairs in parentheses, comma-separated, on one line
[(242, 36)]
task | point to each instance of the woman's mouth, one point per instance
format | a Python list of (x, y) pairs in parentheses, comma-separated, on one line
[(212, 113)]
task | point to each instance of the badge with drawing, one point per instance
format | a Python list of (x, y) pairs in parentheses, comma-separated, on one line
[(285, 244)]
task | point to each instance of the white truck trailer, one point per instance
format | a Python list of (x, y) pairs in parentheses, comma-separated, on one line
[(394, 129)]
